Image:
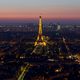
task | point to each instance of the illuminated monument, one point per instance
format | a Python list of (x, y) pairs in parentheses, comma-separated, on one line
[(40, 39)]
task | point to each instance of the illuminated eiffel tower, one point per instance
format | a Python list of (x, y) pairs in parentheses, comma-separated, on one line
[(40, 39)]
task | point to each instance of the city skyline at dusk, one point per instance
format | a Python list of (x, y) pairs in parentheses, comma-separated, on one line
[(31, 9), (39, 39)]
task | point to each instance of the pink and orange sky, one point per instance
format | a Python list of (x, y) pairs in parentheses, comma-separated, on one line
[(52, 9)]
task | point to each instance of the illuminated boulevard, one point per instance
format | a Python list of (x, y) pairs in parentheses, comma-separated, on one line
[(40, 58)]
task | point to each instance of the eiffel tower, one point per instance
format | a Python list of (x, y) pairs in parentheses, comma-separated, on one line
[(40, 40)]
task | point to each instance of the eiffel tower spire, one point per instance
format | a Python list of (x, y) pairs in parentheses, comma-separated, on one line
[(40, 26)]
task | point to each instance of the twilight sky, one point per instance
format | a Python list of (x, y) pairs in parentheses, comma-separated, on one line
[(23, 9)]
